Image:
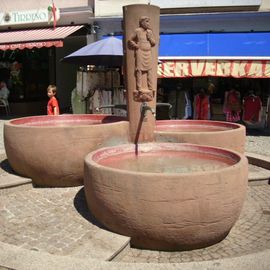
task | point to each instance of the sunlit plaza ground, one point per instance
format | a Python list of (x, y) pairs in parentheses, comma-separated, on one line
[(56, 221)]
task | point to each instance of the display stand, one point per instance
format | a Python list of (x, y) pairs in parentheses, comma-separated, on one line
[(97, 87)]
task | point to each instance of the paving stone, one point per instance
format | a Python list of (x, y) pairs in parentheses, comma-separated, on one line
[(49, 225), (48, 220)]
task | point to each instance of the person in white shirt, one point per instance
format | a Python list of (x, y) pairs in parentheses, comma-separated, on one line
[(4, 92)]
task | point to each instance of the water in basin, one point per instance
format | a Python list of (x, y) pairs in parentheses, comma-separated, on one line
[(194, 126), (191, 128), (168, 162), (66, 120)]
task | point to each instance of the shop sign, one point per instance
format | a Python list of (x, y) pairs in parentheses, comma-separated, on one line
[(24, 17), (219, 68)]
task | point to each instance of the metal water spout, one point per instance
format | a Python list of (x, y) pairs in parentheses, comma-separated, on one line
[(114, 106), (144, 108), (162, 104)]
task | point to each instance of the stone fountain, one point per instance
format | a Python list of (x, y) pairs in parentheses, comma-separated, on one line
[(205, 132), (165, 196), (169, 196), (50, 149), (141, 178)]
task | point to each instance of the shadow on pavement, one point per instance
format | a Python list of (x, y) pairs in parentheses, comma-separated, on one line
[(81, 206), (257, 132), (5, 166)]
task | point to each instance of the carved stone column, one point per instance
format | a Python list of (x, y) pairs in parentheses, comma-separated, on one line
[(141, 42)]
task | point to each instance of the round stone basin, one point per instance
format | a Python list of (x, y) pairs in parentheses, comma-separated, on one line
[(204, 132), (169, 196), (51, 149)]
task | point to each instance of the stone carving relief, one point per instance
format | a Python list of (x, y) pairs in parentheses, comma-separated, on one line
[(142, 42)]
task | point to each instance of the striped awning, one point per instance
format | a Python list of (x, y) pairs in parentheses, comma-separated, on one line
[(43, 37)]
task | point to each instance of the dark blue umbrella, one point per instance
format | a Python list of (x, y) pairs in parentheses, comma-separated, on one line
[(105, 52)]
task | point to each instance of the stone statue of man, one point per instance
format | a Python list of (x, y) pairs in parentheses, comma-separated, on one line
[(142, 42)]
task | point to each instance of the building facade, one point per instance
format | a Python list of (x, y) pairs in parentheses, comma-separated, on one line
[(218, 44), (221, 43), (34, 36)]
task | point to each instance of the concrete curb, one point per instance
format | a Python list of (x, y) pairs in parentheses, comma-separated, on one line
[(14, 257), (258, 160), (11, 180)]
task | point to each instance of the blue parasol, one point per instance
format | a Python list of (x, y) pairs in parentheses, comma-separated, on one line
[(105, 52)]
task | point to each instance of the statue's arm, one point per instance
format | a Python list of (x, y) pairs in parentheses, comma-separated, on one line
[(132, 42), (150, 37)]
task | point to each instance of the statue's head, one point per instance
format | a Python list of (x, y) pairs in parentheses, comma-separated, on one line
[(144, 22)]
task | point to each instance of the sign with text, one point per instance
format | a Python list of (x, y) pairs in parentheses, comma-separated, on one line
[(219, 68), (24, 17)]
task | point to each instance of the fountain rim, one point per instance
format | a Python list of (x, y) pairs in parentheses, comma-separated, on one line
[(232, 126), (24, 125), (240, 158)]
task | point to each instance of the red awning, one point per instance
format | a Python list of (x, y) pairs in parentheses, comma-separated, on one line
[(43, 37)]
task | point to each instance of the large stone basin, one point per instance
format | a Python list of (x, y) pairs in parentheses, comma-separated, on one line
[(214, 133), (51, 149), (170, 196)]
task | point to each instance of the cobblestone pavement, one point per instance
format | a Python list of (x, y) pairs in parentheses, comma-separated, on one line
[(56, 220), (258, 142)]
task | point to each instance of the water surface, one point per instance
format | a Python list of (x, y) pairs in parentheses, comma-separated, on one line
[(167, 162)]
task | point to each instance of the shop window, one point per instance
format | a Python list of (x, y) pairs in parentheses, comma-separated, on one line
[(26, 73)]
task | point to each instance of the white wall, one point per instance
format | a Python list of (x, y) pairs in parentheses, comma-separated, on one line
[(204, 3), (12, 5), (222, 22), (265, 6), (106, 8)]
